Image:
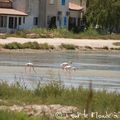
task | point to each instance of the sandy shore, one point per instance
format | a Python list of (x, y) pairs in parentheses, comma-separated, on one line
[(57, 41)]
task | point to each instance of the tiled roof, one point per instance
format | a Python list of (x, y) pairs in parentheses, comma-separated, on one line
[(76, 7), (6, 0), (5, 11)]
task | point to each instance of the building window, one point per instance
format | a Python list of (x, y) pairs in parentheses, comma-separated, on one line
[(35, 20), (51, 1), (23, 19), (3, 21), (19, 20), (65, 21), (12, 22), (63, 2)]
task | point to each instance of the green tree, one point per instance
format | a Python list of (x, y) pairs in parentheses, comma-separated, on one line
[(105, 13)]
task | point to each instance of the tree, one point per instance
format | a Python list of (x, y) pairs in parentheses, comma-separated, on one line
[(105, 14)]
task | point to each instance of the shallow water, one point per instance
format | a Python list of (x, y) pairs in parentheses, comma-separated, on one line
[(102, 68)]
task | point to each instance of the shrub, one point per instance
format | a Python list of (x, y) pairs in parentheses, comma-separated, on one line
[(68, 46), (116, 43), (13, 45), (31, 45), (89, 33), (45, 46)]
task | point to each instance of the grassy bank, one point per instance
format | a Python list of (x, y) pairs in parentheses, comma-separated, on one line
[(56, 93), (60, 33), (7, 115)]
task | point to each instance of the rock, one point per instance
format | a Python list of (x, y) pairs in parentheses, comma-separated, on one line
[(16, 108), (43, 110)]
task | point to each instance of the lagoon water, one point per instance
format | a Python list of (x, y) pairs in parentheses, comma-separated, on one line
[(100, 68)]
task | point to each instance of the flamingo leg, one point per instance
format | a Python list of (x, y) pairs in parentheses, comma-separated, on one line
[(30, 69), (33, 69)]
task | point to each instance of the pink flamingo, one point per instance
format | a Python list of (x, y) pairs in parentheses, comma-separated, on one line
[(30, 66), (64, 64), (68, 67)]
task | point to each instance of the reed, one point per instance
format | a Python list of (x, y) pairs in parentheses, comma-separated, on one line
[(7, 115), (89, 33), (55, 93)]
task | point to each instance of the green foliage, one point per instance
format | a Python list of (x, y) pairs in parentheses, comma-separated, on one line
[(18, 33), (45, 46), (55, 93), (52, 89), (39, 30), (68, 46), (62, 33), (116, 43), (28, 45), (13, 92), (31, 45), (105, 14), (21, 33), (7, 115), (13, 45), (44, 33), (89, 33)]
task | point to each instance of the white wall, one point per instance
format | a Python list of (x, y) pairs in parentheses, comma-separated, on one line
[(64, 9), (31, 7)]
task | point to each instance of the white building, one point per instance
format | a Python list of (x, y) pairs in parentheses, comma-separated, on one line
[(28, 14), (10, 19)]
